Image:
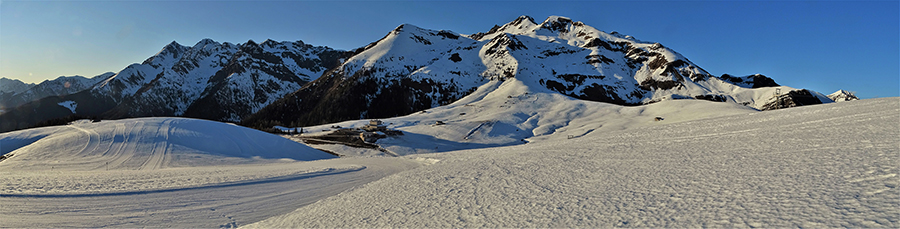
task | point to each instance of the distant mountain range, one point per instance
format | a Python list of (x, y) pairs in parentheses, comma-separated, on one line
[(408, 70), (15, 93), (210, 80)]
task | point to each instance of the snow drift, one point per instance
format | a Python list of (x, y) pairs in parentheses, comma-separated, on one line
[(145, 143)]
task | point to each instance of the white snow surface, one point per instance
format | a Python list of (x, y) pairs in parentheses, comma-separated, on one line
[(831, 165), (145, 144), (71, 105), (185, 197), (503, 113)]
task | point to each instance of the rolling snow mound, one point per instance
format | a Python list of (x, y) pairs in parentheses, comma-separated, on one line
[(145, 143)]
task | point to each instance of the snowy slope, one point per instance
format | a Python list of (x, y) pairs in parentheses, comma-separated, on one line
[(503, 113), (412, 69), (145, 143), (818, 166), (186, 197)]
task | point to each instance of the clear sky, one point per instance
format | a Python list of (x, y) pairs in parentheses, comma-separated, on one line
[(820, 45)]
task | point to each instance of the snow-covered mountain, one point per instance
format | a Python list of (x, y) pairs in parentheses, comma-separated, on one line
[(13, 85), (62, 85), (412, 69), (218, 81), (210, 80), (842, 96)]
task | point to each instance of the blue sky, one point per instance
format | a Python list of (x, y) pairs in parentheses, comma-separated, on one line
[(820, 45)]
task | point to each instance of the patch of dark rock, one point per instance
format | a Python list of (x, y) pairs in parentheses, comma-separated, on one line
[(420, 39), (507, 40), (792, 99), (714, 98), (597, 42), (479, 35), (601, 93), (755, 81), (760, 80), (578, 79), (556, 86), (557, 51), (448, 35), (455, 58), (657, 63), (594, 59), (651, 84)]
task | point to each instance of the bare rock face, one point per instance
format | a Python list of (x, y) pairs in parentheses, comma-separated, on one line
[(843, 96), (792, 99)]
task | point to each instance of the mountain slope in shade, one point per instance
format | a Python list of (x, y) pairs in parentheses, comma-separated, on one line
[(62, 85), (412, 69)]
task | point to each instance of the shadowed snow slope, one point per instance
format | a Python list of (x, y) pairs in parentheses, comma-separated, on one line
[(832, 165), (145, 143)]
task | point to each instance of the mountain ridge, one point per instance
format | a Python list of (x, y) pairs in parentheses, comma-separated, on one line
[(210, 80), (408, 70), (421, 68)]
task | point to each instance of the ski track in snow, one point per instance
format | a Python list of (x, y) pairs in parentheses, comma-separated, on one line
[(831, 165), (218, 204)]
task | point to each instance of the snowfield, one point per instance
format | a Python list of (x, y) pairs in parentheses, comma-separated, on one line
[(832, 165), (503, 113), (581, 164)]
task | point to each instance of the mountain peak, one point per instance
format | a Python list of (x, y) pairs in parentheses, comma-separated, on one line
[(558, 23), (269, 43), (204, 42), (842, 96), (173, 46), (559, 19), (521, 19), (406, 28)]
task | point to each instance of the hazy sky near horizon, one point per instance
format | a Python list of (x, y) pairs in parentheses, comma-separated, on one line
[(819, 45)]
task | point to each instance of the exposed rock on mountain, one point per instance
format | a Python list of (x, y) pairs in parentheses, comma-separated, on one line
[(794, 99), (843, 96)]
